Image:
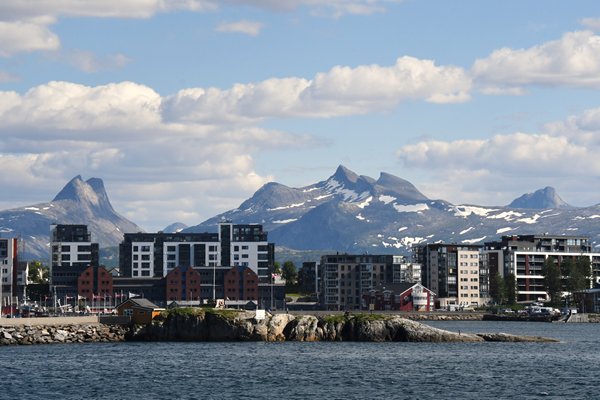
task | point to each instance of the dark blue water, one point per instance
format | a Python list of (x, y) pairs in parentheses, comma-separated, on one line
[(570, 369)]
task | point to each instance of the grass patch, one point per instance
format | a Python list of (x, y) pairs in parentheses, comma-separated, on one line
[(183, 311), (229, 314), (364, 317)]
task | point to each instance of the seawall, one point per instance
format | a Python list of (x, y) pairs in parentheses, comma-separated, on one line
[(23, 334)]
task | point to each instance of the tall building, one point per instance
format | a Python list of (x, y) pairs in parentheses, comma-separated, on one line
[(71, 253), (344, 278), (155, 255), (453, 272), (524, 256), (8, 274)]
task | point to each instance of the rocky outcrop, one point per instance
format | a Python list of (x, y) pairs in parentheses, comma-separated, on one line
[(46, 334), (213, 326)]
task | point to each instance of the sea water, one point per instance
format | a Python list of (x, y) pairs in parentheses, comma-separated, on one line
[(257, 370)]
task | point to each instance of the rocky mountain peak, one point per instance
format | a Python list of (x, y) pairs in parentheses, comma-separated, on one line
[(540, 199), (344, 175), (403, 189)]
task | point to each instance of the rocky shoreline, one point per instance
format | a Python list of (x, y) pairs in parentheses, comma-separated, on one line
[(189, 325), (306, 328), (49, 334)]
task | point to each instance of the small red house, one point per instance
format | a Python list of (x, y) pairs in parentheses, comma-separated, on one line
[(399, 297)]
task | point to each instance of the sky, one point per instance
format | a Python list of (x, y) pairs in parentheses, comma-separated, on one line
[(186, 107)]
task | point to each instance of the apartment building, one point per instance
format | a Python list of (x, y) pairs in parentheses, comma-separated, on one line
[(71, 253), (524, 256), (156, 254), (344, 278), (454, 273), (8, 273)]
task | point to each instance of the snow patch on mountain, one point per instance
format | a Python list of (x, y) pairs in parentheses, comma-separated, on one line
[(469, 229), (465, 211), (411, 207), (471, 241), (506, 215), (286, 207), (502, 230), (365, 203), (385, 199), (285, 221), (531, 220)]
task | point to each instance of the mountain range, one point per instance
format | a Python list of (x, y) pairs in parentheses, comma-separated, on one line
[(79, 202), (356, 213), (346, 212)]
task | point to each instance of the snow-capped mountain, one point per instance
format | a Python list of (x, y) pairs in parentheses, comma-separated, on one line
[(79, 202), (355, 213)]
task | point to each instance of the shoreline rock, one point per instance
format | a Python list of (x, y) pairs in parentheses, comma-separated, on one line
[(306, 328), (228, 325), (54, 334)]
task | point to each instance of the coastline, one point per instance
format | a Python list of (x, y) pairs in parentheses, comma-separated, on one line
[(325, 326)]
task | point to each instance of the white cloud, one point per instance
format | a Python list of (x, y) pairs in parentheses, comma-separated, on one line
[(340, 91), (573, 60), (19, 9), (24, 25), (487, 171), (6, 77), (251, 28), (89, 62), (26, 36), (116, 132), (591, 23), (330, 8)]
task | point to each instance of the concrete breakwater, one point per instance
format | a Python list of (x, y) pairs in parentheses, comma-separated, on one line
[(72, 333), (210, 326)]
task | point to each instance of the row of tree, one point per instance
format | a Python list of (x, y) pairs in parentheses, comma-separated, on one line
[(503, 290), (565, 275)]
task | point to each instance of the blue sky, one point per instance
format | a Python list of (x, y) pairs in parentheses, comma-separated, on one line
[(186, 107)]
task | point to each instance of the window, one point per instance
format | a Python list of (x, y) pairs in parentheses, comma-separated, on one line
[(65, 248), (136, 248), (244, 255), (145, 248), (212, 248), (245, 247)]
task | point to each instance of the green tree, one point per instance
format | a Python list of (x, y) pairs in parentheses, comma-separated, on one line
[(289, 272), (38, 273), (510, 289), (552, 280), (584, 269), (277, 268), (497, 289)]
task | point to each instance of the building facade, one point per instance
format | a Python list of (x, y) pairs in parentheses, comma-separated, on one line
[(344, 278), (241, 283), (156, 254), (454, 273), (525, 255), (71, 252), (8, 274), (182, 283), (95, 283), (399, 297)]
